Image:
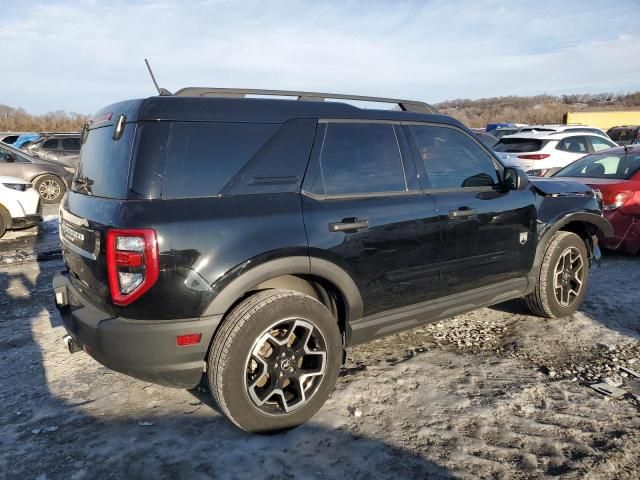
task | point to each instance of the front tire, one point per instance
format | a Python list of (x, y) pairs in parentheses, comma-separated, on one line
[(50, 188), (274, 361), (3, 227), (563, 276)]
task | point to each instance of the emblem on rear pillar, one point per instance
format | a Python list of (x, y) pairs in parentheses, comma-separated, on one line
[(523, 238)]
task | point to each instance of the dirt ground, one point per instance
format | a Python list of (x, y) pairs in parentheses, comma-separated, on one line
[(492, 394)]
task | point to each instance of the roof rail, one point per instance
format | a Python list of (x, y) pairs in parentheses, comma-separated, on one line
[(405, 105)]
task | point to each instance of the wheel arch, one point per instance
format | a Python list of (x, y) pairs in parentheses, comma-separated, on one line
[(318, 278), (584, 224)]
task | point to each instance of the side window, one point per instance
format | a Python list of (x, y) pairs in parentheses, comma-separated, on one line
[(599, 144), (72, 144), (452, 159), (16, 158), (51, 144), (361, 158), (574, 145), (199, 158)]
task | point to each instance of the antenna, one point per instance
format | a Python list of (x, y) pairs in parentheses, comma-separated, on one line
[(161, 91)]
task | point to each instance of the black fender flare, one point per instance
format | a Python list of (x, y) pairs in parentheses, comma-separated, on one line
[(594, 219), (294, 265)]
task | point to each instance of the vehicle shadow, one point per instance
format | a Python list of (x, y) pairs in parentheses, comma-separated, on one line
[(62, 416)]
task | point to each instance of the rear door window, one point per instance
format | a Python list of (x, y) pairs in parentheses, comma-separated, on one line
[(361, 158), (452, 159), (71, 144), (51, 144), (576, 144)]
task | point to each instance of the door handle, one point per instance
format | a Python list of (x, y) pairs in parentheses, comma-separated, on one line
[(462, 212), (349, 225)]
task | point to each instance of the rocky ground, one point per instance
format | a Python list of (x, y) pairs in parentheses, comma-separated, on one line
[(496, 393)]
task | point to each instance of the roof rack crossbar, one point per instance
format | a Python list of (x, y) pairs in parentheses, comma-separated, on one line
[(406, 105)]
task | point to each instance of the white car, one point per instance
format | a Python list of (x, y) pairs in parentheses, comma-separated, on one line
[(548, 128), (537, 153), (19, 204)]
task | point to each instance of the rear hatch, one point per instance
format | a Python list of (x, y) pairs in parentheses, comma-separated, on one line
[(93, 203)]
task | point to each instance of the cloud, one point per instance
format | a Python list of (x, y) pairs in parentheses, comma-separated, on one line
[(80, 56)]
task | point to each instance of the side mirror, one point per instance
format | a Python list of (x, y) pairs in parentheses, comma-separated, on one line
[(9, 158), (515, 179)]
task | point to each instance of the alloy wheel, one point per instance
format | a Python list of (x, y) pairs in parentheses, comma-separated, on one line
[(285, 366), (49, 189), (568, 276)]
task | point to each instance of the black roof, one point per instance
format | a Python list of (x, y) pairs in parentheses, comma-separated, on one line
[(183, 108)]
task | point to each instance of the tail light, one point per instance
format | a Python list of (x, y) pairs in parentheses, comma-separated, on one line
[(613, 200), (535, 156), (132, 263)]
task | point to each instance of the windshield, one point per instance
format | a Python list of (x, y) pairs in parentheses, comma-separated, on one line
[(614, 166), (519, 145)]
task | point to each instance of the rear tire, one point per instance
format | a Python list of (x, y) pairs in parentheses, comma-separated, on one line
[(50, 188), (563, 277), (274, 361), (3, 227)]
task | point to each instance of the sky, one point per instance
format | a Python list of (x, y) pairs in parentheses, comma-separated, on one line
[(81, 55)]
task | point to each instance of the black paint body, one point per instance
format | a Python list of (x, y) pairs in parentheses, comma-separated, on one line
[(412, 264)]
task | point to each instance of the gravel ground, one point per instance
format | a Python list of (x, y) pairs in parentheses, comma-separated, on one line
[(491, 394)]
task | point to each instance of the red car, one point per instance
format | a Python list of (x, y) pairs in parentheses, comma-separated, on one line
[(615, 173)]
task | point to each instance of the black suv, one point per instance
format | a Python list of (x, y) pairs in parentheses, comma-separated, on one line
[(253, 240)]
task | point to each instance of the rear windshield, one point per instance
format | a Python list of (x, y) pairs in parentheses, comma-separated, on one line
[(104, 163), (621, 167), (519, 145)]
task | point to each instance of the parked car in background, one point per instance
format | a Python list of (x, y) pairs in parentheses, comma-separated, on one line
[(499, 130), (10, 137), (25, 139), (625, 134), (19, 204), (615, 173), (50, 179), (502, 131), (487, 139), (563, 128), (537, 153), (60, 147)]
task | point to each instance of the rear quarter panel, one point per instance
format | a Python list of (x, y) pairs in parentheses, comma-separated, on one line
[(199, 240)]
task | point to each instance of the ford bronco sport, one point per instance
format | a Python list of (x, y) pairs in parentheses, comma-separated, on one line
[(252, 240)]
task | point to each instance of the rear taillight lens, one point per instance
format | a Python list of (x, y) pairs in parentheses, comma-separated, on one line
[(132, 263), (613, 200), (535, 156)]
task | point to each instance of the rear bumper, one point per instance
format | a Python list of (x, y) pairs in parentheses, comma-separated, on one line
[(143, 349)]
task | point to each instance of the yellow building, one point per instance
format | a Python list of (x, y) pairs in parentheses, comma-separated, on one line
[(603, 120)]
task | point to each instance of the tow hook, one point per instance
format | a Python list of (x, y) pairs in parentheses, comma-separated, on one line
[(72, 345)]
